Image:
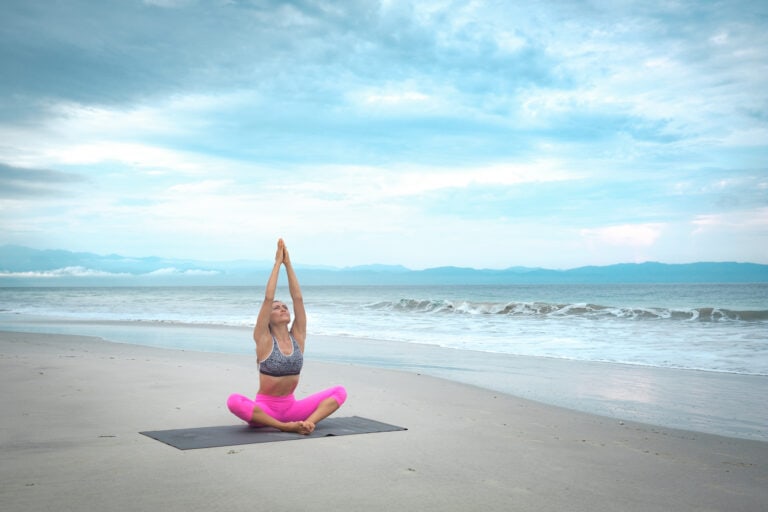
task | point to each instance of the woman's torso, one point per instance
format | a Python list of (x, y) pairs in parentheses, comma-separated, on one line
[(279, 370)]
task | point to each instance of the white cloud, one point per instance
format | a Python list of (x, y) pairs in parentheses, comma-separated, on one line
[(63, 272), (498, 174), (510, 42), (204, 187), (77, 120), (405, 98), (755, 220), (395, 98), (134, 154), (78, 134), (372, 184), (628, 235), (172, 271)]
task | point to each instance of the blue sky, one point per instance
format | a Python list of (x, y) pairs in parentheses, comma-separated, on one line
[(430, 133)]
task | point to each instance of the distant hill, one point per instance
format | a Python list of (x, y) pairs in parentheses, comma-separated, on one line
[(22, 266)]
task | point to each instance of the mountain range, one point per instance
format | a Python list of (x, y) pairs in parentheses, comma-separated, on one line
[(24, 266)]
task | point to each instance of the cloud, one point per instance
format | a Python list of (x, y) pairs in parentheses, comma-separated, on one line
[(136, 155), (475, 77), (754, 220), (63, 272), (373, 184), (172, 271), (82, 272), (200, 188), (627, 235), (19, 182), (201, 124)]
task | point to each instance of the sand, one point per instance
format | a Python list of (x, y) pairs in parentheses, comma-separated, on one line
[(73, 408)]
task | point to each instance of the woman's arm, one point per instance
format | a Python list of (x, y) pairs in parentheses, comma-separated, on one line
[(261, 333), (299, 327)]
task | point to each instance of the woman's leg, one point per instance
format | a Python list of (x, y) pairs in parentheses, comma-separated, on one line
[(261, 418), (258, 415), (319, 406), (241, 406)]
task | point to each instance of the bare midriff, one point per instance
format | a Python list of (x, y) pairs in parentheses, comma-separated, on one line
[(277, 386)]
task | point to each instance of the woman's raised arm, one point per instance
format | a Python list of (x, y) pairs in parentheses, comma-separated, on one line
[(261, 329), (299, 327)]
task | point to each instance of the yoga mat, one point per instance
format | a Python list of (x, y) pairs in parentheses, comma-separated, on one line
[(231, 435)]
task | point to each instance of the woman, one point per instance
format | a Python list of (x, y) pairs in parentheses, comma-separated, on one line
[(279, 350)]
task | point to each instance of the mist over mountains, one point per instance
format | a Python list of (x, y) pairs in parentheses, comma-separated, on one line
[(23, 266)]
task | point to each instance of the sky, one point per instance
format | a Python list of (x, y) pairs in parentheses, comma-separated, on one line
[(490, 134)]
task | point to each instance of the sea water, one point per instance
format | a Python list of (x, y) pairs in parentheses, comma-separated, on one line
[(713, 327), (690, 356)]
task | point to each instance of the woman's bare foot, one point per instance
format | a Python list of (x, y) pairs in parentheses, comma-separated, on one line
[(299, 427)]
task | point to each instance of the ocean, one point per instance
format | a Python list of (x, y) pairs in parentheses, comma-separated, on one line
[(713, 327), (705, 328)]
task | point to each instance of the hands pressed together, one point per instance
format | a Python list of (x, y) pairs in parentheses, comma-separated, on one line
[(281, 256)]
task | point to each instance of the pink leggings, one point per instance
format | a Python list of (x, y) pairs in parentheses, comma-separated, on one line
[(283, 408)]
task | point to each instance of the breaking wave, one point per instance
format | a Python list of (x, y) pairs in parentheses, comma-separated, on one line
[(544, 309)]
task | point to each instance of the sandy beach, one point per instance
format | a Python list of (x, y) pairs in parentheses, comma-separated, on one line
[(74, 406)]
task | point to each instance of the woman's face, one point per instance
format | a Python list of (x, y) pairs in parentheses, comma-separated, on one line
[(280, 313)]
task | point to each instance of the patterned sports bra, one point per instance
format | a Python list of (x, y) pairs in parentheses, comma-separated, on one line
[(278, 364)]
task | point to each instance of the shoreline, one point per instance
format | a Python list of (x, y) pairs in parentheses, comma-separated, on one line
[(718, 403), (78, 403)]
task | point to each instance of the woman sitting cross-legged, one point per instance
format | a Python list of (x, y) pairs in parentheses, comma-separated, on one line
[(279, 351)]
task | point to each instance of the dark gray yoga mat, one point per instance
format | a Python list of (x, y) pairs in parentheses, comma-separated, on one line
[(231, 435)]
